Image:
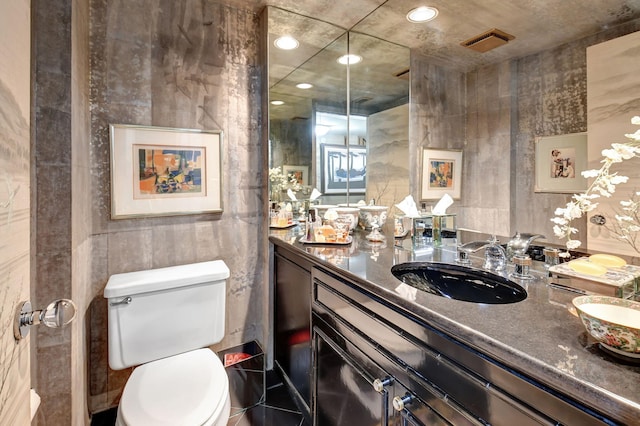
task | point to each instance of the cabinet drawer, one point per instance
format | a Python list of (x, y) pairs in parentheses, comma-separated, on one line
[(429, 374), (346, 392)]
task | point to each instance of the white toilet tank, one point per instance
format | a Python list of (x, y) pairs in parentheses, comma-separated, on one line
[(162, 312)]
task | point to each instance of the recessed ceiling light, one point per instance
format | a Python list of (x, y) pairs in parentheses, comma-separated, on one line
[(422, 14), (277, 102), (286, 43), (349, 59), (304, 86)]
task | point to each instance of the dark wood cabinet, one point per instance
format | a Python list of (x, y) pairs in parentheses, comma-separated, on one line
[(355, 358), (436, 379), (292, 322)]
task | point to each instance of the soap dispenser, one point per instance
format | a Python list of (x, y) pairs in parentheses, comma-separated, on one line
[(495, 257)]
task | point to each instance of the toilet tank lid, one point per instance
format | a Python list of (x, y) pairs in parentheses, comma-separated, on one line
[(130, 283)]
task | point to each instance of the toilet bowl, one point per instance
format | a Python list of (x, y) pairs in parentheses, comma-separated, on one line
[(162, 322), (187, 389)]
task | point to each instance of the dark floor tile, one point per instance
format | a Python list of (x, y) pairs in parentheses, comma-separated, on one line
[(105, 418), (279, 397), (278, 409), (262, 415)]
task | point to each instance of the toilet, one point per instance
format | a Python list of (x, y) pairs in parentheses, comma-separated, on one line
[(161, 322)]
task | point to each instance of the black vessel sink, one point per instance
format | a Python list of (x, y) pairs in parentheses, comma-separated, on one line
[(459, 282)]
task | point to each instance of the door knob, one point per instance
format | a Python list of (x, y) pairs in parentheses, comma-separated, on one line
[(379, 384), (399, 402), (57, 314)]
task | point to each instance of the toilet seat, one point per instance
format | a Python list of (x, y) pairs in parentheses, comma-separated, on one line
[(187, 389)]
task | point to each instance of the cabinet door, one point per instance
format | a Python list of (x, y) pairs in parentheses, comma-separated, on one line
[(344, 391), (351, 389), (292, 312)]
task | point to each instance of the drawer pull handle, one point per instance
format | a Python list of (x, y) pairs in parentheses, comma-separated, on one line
[(399, 402), (379, 384)]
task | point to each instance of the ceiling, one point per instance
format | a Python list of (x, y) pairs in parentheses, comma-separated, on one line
[(537, 25)]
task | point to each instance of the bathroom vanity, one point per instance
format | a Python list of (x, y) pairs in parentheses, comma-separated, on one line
[(381, 353)]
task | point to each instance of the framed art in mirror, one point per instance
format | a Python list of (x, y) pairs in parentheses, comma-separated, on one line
[(301, 173), (441, 173), (158, 171), (341, 165), (559, 163)]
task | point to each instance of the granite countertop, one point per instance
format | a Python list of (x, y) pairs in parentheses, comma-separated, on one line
[(538, 336)]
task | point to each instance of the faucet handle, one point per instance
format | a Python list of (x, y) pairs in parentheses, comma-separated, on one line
[(463, 256)]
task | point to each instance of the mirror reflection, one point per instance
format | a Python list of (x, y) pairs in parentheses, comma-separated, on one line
[(345, 132)]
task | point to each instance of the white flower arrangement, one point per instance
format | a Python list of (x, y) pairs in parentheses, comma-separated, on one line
[(604, 184), (281, 182)]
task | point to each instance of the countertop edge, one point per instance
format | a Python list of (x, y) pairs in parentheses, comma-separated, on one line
[(602, 400)]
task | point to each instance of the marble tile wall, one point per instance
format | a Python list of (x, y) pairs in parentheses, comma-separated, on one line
[(291, 142), (186, 65), (437, 115), (51, 205), (486, 152), (494, 115), (551, 99)]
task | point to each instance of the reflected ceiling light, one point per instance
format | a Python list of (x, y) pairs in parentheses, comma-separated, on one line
[(277, 102), (322, 130), (349, 59), (304, 85), (422, 14), (286, 43)]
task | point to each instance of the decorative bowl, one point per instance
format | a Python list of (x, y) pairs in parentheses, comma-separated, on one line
[(351, 213), (372, 215), (612, 321), (322, 209)]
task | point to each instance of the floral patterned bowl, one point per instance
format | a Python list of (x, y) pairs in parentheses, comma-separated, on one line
[(350, 213), (373, 215), (613, 322)]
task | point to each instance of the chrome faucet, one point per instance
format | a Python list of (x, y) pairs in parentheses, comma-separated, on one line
[(519, 243), (495, 257)]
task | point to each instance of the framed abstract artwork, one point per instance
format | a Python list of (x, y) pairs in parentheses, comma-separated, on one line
[(441, 173), (559, 163), (158, 171), (344, 168), (301, 173)]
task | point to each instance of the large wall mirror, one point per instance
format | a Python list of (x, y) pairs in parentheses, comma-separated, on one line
[(339, 123)]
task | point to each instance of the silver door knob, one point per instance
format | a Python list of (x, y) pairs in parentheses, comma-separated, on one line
[(57, 314)]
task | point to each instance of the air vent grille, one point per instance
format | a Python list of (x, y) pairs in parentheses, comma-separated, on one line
[(362, 100), (488, 40)]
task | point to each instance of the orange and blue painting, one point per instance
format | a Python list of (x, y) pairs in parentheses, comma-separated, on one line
[(441, 174), (165, 171)]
